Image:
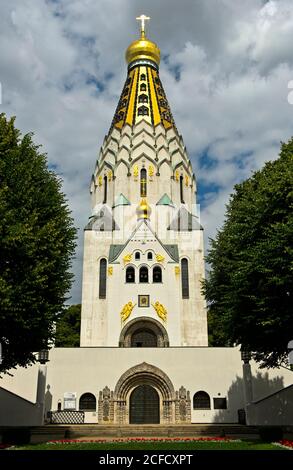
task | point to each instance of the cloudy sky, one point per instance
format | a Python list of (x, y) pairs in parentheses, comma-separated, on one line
[(226, 66)]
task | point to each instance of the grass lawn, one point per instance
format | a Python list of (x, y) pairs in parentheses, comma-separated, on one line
[(243, 445)]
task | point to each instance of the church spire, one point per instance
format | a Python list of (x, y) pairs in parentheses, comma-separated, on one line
[(143, 96)]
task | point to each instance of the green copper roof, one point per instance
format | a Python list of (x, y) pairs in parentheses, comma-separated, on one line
[(121, 200), (165, 201)]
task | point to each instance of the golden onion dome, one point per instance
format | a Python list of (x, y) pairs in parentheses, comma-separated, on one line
[(142, 49), (143, 210)]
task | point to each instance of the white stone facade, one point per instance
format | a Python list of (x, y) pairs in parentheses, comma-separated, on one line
[(164, 157)]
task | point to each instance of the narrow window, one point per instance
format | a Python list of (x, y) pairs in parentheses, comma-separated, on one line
[(143, 98), (157, 274), (143, 182), (150, 255), (181, 190), (103, 278), (105, 189), (143, 111), (137, 255), (87, 402), (143, 77), (201, 400), (130, 275), (143, 87), (143, 274), (184, 278)]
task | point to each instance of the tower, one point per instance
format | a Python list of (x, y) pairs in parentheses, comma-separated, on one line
[(143, 244)]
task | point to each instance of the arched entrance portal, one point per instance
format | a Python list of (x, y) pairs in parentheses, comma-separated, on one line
[(139, 389), (144, 406), (144, 332)]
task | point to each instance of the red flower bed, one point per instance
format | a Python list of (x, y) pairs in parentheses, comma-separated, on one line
[(285, 443)]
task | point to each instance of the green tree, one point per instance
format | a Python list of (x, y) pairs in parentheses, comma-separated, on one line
[(249, 287), (68, 328), (37, 241)]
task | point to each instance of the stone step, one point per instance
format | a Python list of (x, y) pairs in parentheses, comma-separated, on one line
[(54, 432)]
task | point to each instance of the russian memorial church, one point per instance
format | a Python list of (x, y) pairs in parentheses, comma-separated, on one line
[(144, 355)]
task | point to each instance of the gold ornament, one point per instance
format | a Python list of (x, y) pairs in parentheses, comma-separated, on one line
[(160, 258), (143, 210), (100, 180), (177, 270), (186, 180), (126, 311), (143, 48), (161, 311), (110, 175), (110, 270), (135, 171), (151, 170), (127, 258), (177, 175)]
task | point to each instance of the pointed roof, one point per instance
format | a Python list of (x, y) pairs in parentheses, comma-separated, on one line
[(121, 200), (165, 201), (116, 250), (184, 221), (102, 220), (143, 96)]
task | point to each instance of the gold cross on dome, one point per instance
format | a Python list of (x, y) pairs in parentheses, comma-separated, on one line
[(142, 19)]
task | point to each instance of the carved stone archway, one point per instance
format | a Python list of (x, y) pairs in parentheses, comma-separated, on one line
[(142, 323), (175, 407)]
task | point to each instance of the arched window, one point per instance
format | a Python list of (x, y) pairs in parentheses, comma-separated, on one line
[(103, 278), (143, 274), (105, 189), (143, 182), (126, 91), (87, 402), (143, 98), (143, 111), (143, 87), (157, 274), (150, 255), (130, 274), (143, 77), (184, 278), (181, 190), (137, 255), (201, 400)]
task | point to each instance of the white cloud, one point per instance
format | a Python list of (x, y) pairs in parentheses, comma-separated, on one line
[(230, 100)]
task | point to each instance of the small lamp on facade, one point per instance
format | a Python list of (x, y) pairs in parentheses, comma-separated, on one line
[(43, 356)]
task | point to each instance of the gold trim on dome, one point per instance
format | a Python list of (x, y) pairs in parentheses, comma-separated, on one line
[(143, 48), (154, 101), (130, 112), (155, 109)]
